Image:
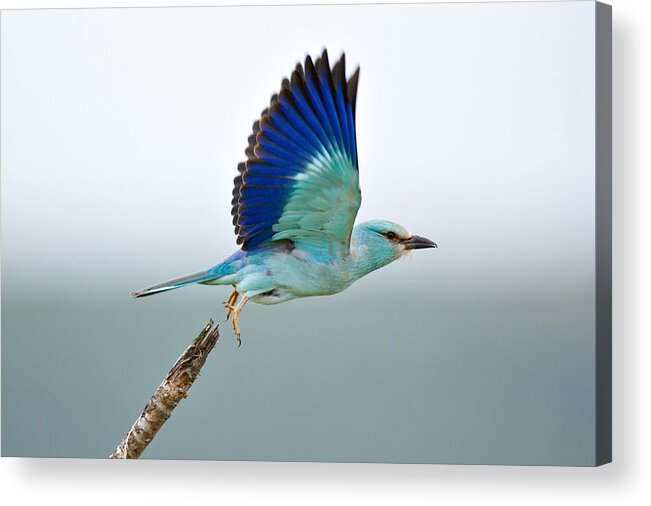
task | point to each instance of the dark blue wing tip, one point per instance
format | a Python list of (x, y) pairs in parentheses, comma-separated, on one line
[(314, 111)]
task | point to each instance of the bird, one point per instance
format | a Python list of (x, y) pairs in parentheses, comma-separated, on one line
[(296, 197)]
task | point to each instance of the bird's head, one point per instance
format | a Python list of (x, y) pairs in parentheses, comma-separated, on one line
[(384, 241)]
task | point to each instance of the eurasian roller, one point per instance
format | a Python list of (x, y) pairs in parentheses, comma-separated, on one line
[(296, 198)]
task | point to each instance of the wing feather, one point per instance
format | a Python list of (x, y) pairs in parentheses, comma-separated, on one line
[(300, 181)]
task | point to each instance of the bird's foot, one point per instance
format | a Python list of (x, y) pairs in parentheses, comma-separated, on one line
[(230, 303), (238, 337), (236, 315), (230, 309)]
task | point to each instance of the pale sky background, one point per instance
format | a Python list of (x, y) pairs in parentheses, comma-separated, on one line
[(121, 132)]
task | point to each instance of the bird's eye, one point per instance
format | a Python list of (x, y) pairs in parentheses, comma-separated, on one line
[(391, 236)]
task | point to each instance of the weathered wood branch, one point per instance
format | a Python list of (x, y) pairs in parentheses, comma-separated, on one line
[(174, 388)]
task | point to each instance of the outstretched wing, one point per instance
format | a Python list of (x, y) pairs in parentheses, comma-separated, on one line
[(300, 181)]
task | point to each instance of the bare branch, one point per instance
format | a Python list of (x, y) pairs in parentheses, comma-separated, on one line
[(174, 388)]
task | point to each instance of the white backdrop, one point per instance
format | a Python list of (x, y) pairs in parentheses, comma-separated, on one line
[(129, 140)]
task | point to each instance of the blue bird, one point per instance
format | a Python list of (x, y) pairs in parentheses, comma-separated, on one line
[(296, 198)]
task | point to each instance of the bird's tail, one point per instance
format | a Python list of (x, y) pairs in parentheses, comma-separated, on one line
[(197, 277)]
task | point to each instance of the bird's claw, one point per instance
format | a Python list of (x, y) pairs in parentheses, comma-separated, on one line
[(236, 329), (230, 303), (236, 315), (230, 308)]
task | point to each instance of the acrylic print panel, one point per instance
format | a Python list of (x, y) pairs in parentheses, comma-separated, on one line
[(476, 127)]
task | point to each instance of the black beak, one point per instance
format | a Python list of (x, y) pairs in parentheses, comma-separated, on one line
[(418, 242)]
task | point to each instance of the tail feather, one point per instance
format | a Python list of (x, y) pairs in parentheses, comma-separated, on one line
[(172, 284)]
